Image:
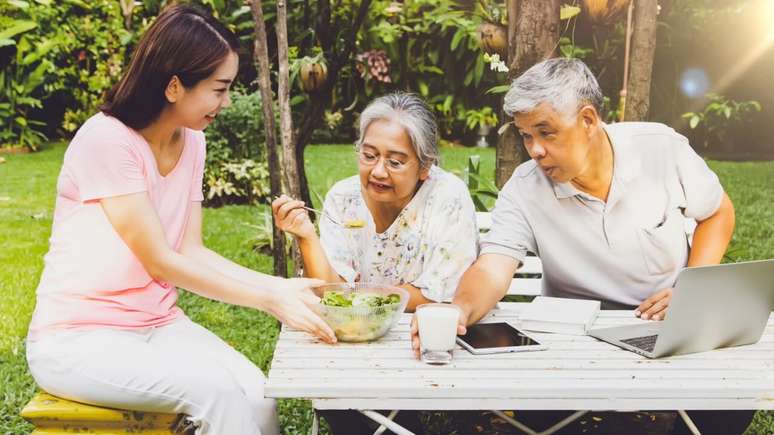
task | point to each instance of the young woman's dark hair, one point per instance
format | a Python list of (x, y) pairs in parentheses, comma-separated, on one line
[(184, 41)]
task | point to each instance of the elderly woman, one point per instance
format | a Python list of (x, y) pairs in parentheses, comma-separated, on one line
[(402, 220), (603, 206)]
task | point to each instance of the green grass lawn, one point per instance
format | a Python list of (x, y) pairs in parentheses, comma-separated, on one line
[(27, 193)]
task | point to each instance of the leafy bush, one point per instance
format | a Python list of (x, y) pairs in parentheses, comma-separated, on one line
[(482, 191), (58, 60), (719, 117), (19, 85), (235, 170)]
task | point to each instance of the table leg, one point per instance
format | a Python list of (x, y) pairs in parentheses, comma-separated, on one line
[(315, 422), (515, 423), (522, 427), (380, 430), (688, 422), (384, 421), (569, 419)]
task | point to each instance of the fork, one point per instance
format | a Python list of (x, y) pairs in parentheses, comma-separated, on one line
[(322, 213), (347, 225)]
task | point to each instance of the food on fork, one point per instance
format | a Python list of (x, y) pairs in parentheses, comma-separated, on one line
[(354, 223)]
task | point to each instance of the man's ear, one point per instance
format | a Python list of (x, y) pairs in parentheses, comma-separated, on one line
[(174, 90), (588, 116)]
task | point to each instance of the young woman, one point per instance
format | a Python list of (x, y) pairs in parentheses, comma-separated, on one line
[(406, 222), (127, 231)]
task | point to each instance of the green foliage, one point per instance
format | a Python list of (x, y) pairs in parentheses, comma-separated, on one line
[(569, 11), (429, 44), (610, 113), (482, 190), (719, 117), (71, 50), (477, 118), (19, 84), (236, 171), (262, 240), (568, 49), (65, 55), (492, 11)]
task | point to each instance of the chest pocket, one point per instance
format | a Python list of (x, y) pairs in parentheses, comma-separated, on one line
[(665, 246)]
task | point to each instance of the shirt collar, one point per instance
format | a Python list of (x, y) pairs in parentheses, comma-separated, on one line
[(625, 163), (564, 190)]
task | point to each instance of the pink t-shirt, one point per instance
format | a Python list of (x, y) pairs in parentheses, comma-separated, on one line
[(91, 278)]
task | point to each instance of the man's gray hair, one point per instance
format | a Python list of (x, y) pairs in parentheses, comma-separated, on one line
[(565, 84), (413, 115)]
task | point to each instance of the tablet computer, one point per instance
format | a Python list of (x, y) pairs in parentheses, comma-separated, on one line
[(488, 338)]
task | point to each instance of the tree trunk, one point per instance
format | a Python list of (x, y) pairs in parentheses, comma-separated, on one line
[(643, 52), (283, 95), (291, 169), (532, 37), (261, 53)]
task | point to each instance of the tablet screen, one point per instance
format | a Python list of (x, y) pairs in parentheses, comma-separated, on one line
[(493, 335)]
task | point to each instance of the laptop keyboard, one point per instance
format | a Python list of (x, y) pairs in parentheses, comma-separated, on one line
[(647, 343)]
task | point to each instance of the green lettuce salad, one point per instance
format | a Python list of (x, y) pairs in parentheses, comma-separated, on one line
[(342, 299), (359, 316)]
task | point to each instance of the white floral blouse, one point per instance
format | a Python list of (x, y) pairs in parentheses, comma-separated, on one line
[(430, 244)]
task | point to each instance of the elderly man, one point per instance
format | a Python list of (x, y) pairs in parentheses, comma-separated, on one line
[(603, 206)]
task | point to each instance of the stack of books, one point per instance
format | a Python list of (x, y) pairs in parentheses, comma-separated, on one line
[(559, 315)]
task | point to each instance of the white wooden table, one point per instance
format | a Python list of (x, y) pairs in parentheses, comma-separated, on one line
[(575, 373)]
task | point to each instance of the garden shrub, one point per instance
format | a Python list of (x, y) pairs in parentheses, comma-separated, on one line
[(57, 69), (235, 170)]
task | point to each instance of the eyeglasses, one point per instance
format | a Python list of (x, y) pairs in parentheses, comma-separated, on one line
[(368, 158)]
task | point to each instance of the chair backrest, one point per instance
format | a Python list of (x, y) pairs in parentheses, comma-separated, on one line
[(528, 279)]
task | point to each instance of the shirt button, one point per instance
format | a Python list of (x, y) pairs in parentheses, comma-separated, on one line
[(165, 284)]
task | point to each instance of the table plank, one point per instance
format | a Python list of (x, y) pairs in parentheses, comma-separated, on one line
[(508, 388), (488, 375)]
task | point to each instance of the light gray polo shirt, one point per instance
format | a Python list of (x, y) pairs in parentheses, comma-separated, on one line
[(623, 250)]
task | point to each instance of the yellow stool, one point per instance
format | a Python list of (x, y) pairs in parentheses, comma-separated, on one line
[(52, 415)]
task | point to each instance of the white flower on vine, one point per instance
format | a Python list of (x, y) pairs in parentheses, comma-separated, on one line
[(495, 63)]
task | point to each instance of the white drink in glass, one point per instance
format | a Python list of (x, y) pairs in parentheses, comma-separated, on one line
[(437, 331)]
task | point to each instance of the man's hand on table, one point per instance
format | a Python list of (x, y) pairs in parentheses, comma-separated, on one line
[(461, 330), (655, 307)]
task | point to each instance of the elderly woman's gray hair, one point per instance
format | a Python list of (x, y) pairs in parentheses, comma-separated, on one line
[(565, 84), (413, 115)]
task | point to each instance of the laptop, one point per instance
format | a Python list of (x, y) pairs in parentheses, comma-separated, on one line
[(712, 307)]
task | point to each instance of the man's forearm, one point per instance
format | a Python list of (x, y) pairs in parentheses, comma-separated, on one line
[(483, 285), (712, 235)]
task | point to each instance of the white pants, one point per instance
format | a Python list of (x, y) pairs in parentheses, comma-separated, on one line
[(177, 368)]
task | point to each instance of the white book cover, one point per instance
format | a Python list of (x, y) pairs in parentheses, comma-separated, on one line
[(560, 315)]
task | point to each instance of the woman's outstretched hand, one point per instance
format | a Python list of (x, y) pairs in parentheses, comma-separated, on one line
[(292, 304)]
